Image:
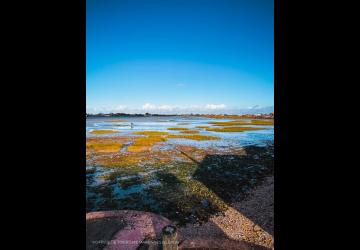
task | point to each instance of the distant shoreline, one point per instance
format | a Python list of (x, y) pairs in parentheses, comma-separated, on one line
[(261, 116)]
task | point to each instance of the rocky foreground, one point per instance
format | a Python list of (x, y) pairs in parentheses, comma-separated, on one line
[(250, 220), (246, 225)]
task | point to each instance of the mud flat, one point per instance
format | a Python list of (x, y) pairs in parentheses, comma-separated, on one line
[(103, 131), (160, 180)]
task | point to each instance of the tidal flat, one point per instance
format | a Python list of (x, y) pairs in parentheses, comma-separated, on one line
[(188, 177)]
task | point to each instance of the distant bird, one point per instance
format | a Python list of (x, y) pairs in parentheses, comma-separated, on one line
[(131, 125)]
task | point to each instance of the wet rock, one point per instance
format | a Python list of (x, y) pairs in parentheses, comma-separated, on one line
[(205, 202)]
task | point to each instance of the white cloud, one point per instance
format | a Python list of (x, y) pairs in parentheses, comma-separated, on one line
[(148, 106), (215, 106), (121, 107), (166, 107), (254, 107), (172, 109)]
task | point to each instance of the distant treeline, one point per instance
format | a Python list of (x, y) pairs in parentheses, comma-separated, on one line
[(124, 114), (252, 116), (261, 116)]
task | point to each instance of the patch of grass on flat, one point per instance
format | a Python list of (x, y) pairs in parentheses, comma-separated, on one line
[(233, 129), (195, 137), (201, 126), (104, 144), (103, 131), (104, 147), (137, 149), (262, 122), (128, 163), (190, 131), (180, 129), (145, 143), (148, 141), (151, 133)]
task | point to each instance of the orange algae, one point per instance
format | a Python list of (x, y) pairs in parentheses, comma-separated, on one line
[(262, 122), (104, 144), (201, 126), (151, 133), (120, 160), (145, 143), (104, 147), (180, 129)]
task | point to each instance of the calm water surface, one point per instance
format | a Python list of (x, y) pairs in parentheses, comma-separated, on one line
[(259, 137)]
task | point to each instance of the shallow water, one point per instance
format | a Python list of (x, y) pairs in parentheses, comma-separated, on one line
[(259, 137)]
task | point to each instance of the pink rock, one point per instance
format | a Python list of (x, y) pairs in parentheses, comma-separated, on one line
[(139, 225)]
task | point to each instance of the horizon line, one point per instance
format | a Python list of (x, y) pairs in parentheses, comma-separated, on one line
[(176, 114)]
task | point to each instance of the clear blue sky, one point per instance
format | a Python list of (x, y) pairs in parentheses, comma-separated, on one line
[(179, 55)]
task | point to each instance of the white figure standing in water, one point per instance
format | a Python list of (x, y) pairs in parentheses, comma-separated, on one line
[(131, 125)]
